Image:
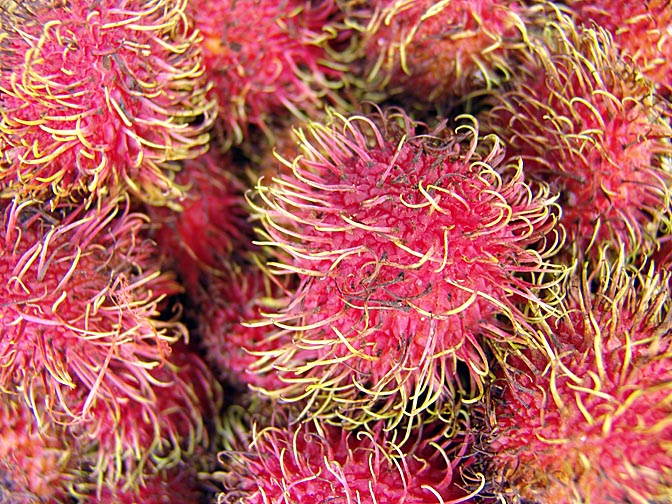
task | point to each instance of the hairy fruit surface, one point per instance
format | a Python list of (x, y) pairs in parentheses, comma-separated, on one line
[(407, 244), (440, 50), (277, 64), (585, 120), (99, 95), (587, 419), (312, 461), (80, 315)]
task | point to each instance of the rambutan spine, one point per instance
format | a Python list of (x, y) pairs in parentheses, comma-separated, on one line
[(38, 463), (281, 65), (210, 228), (229, 324), (279, 460), (438, 51), (640, 29), (82, 314), (162, 427)]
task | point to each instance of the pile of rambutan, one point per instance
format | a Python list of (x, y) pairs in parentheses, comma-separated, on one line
[(346, 251)]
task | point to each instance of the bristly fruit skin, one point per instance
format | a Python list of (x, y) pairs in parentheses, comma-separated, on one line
[(314, 462), (164, 427), (81, 311), (440, 50), (179, 485), (37, 463), (584, 119), (406, 243), (210, 228), (271, 65), (98, 96), (640, 29), (229, 304), (587, 419)]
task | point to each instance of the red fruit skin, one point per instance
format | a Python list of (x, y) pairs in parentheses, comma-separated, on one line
[(436, 51), (640, 29), (278, 64), (81, 316), (584, 119), (210, 226), (133, 445), (179, 485), (230, 315), (405, 246), (37, 462), (99, 97), (592, 422), (313, 462)]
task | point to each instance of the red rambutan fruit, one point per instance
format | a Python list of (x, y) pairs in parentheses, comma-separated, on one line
[(179, 485), (232, 346), (407, 243), (211, 226), (591, 423), (37, 464), (131, 443), (584, 119), (640, 29), (98, 95), (314, 462), (262, 156), (80, 311), (436, 50), (278, 63)]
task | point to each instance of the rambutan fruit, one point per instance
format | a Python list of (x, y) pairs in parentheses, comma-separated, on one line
[(264, 161), (584, 119), (408, 243), (37, 464), (178, 485), (640, 29), (227, 304), (314, 462), (279, 63), (587, 417), (438, 50), (133, 442), (210, 226), (80, 312), (94, 96)]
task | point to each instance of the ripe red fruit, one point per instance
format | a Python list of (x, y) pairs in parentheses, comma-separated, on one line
[(163, 426), (230, 307), (407, 244), (640, 29), (440, 50), (589, 123), (98, 95), (276, 62), (587, 419), (198, 239), (179, 485), (37, 463), (313, 462), (80, 311)]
